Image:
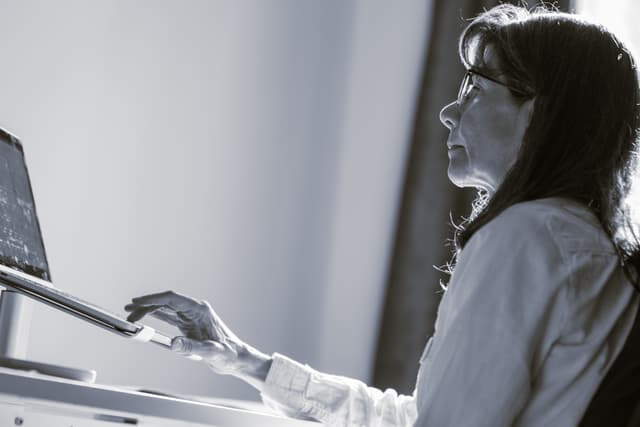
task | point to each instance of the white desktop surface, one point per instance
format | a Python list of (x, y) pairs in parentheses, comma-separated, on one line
[(30, 399)]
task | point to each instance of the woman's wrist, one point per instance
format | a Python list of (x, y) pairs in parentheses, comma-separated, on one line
[(253, 366)]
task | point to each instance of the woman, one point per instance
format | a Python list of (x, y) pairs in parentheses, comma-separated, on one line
[(543, 291)]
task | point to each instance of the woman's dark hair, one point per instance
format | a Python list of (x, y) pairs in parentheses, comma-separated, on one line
[(582, 140)]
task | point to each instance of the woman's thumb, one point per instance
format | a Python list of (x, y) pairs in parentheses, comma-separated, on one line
[(188, 346)]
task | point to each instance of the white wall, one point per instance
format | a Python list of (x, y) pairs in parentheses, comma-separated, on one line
[(244, 152)]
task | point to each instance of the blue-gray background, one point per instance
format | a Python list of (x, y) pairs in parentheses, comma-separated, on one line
[(247, 152)]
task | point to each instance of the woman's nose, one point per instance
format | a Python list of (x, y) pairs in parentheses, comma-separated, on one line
[(449, 115)]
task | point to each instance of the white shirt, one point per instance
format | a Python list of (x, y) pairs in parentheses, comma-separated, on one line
[(535, 314)]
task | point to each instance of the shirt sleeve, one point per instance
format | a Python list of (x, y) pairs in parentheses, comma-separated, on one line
[(506, 295), (299, 391)]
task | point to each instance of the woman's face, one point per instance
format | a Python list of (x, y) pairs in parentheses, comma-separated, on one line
[(486, 128)]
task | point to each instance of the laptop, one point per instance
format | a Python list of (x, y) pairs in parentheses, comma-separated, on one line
[(23, 261)]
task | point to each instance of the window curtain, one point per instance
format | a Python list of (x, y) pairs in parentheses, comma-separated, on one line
[(423, 228)]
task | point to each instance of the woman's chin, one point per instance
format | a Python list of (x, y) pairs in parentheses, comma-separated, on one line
[(457, 181), (457, 174), (461, 179)]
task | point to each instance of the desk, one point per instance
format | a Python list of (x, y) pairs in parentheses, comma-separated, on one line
[(33, 400)]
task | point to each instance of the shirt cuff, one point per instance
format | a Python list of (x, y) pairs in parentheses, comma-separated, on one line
[(286, 387), (286, 375)]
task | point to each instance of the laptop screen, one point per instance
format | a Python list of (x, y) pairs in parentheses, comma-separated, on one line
[(21, 244)]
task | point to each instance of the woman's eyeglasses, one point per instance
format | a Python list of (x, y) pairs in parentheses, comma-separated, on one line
[(467, 85)]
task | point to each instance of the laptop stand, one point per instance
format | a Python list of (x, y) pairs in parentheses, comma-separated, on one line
[(14, 329)]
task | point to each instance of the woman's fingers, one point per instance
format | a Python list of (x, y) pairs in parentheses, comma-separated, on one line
[(171, 299), (172, 318), (163, 313), (141, 306), (138, 312), (196, 319)]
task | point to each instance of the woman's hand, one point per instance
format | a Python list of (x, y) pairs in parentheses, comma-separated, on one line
[(205, 335)]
